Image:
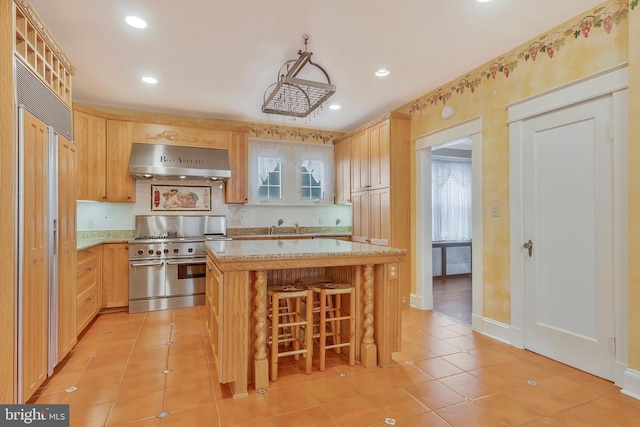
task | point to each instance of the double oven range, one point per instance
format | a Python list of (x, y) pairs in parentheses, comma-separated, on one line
[(167, 260)]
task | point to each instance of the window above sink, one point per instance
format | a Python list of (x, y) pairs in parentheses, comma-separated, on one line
[(290, 173)]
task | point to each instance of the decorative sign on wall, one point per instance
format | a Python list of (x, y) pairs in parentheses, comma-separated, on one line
[(180, 198)]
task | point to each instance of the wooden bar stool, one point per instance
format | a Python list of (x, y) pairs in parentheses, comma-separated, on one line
[(330, 317), (291, 322)]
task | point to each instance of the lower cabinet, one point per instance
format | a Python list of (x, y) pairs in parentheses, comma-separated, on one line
[(225, 316), (212, 309), (372, 216), (88, 286), (115, 275)]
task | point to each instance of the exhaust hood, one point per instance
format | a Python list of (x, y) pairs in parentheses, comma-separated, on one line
[(172, 162)]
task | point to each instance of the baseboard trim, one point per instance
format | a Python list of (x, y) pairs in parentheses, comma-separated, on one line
[(415, 300), (496, 330), (631, 383)]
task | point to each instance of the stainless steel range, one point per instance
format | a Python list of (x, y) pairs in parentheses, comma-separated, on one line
[(167, 260)]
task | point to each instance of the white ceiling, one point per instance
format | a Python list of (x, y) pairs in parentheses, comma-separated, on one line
[(216, 58)]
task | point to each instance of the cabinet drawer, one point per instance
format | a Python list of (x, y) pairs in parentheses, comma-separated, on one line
[(88, 256), (86, 308), (86, 278)]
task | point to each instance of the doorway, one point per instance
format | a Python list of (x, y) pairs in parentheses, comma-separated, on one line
[(451, 195), (423, 298)]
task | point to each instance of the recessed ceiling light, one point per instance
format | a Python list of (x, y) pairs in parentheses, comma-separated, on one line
[(136, 22), (382, 72), (182, 177), (149, 80), (334, 107)]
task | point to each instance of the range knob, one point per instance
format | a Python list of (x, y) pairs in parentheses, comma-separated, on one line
[(158, 253), (190, 250), (140, 251), (150, 251), (166, 251), (176, 250)]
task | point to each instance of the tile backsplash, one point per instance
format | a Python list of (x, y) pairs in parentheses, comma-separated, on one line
[(121, 216)]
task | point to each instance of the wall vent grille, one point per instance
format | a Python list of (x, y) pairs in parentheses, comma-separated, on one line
[(40, 101)]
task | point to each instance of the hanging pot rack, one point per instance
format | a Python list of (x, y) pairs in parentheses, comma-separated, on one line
[(293, 96)]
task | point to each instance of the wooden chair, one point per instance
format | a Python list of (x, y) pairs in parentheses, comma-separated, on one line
[(291, 323)]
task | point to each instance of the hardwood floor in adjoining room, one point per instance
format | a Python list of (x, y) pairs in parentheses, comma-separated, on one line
[(155, 369), (452, 297)]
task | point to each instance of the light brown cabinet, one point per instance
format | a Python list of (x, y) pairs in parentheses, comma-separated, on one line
[(236, 188), (372, 217), (342, 164), (37, 49), (34, 307), (212, 309), (115, 275), (67, 244), (89, 286), (225, 317), (120, 184), (89, 134), (380, 184), (371, 157)]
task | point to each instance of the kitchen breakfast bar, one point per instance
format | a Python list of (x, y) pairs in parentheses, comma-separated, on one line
[(239, 271)]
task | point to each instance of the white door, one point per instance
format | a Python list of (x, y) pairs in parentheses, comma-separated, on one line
[(568, 207)]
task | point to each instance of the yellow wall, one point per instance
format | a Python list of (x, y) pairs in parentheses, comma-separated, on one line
[(634, 188), (487, 90)]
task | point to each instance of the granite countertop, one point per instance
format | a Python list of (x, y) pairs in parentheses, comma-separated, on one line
[(250, 233), (271, 249), (88, 239), (275, 236)]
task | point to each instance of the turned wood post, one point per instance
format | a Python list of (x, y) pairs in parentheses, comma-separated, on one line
[(261, 364), (368, 353)]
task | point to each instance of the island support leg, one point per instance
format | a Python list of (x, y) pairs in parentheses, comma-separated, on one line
[(260, 362), (368, 353)]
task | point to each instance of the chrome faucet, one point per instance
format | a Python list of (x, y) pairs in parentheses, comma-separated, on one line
[(296, 228), (272, 229)]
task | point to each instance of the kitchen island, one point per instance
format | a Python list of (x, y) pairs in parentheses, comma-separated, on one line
[(236, 303)]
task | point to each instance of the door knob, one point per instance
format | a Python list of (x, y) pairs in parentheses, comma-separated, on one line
[(528, 245)]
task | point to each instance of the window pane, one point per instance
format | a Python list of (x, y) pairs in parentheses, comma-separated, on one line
[(263, 192), (316, 194), (274, 178), (306, 179), (275, 193)]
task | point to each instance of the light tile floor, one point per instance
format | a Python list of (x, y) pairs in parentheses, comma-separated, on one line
[(126, 373)]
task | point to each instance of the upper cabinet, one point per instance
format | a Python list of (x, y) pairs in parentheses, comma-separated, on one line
[(38, 50), (371, 157), (120, 183), (342, 162), (236, 190), (90, 136), (105, 139)]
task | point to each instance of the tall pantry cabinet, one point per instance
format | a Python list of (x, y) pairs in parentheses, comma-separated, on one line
[(380, 184), (45, 175)]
